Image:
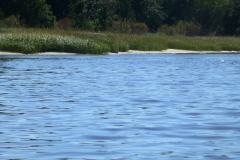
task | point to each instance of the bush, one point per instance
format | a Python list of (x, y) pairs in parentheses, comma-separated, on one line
[(120, 27), (127, 27), (88, 25), (192, 29), (182, 28), (65, 23), (167, 30), (11, 21), (139, 28)]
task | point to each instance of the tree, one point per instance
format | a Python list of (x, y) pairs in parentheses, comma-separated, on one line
[(36, 13), (149, 12), (179, 10), (59, 7), (231, 22), (92, 14), (125, 10), (210, 13)]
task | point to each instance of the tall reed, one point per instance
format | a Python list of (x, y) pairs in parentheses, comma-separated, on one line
[(34, 42), (46, 40)]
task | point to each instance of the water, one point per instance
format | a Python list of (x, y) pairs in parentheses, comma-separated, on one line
[(120, 107)]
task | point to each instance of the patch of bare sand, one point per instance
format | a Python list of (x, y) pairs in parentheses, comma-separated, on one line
[(10, 53), (174, 51)]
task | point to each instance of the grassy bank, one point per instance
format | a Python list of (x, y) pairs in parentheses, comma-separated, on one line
[(49, 40)]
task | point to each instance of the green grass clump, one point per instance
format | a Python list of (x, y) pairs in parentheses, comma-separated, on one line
[(192, 43), (33, 43), (53, 40)]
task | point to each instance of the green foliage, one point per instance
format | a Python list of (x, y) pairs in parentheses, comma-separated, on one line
[(193, 43), (94, 15), (146, 43), (125, 10), (48, 40), (231, 21), (139, 28), (121, 27), (117, 44), (91, 15), (65, 23), (46, 17), (60, 8), (177, 10), (215, 17), (149, 12), (11, 21), (128, 27), (36, 13), (88, 25), (182, 28), (35, 42)]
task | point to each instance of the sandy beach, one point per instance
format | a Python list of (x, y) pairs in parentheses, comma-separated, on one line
[(168, 51), (175, 51), (10, 53)]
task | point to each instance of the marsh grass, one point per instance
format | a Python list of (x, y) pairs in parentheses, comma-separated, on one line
[(54, 40), (35, 42)]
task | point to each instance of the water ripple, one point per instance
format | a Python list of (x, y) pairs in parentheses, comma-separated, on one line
[(120, 107)]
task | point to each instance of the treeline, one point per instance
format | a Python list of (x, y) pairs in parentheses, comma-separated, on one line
[(171, 17)]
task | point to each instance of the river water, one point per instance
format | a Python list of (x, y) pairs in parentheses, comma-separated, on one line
[(120, 107)]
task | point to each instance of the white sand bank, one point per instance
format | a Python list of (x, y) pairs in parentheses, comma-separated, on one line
[(174, 51), (10, 53)]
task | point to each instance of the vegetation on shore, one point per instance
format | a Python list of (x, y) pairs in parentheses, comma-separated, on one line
[(102, 26), (73, 41), (170, 17)]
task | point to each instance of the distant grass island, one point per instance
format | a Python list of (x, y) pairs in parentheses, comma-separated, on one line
[(30, 41)]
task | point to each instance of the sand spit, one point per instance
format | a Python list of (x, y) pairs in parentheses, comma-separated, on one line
[(174, 51), (10, 53)]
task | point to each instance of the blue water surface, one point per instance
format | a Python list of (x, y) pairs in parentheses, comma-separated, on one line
[(120, 107)]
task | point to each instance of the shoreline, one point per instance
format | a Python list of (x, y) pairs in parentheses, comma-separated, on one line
[(176, 51), (168, 51)]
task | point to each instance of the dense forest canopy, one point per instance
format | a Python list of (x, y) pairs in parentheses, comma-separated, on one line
[(215, 17)]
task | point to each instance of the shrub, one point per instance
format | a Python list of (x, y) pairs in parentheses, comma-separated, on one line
[(11, 21), (139, 28), (127, 27), (182, 28), (167, 30), (65, 23), (192, 29), (88, 25), (120, 27)]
